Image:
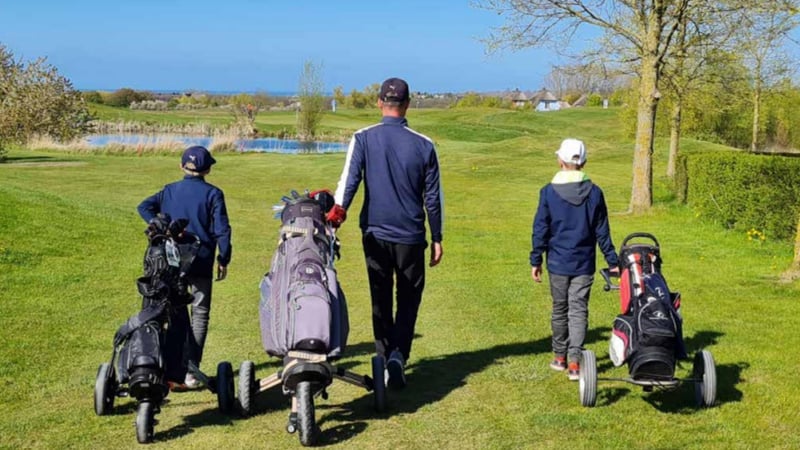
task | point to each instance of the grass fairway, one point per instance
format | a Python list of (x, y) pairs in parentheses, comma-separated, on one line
[(71, 245)]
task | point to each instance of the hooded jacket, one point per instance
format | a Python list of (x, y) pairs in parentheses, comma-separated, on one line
[(571, 220)]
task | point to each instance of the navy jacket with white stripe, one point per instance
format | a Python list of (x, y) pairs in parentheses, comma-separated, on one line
[(400, 170)]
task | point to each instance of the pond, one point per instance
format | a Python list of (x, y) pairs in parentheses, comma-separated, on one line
[(270, 145)]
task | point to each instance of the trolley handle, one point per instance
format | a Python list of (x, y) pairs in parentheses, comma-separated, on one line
[(640, 235), (607, 275)]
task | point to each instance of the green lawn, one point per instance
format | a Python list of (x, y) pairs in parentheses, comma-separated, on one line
[(71, 245)]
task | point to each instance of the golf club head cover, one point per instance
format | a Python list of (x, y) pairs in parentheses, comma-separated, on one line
[(325, 199), (336, 216)]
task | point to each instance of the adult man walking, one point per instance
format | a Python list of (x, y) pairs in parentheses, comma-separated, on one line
[(400, 170), (203, 205)]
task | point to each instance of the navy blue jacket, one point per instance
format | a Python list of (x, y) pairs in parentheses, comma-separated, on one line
[(204, 206), (400, 170), (571, 220)]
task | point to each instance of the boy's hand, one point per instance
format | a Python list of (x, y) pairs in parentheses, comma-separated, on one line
[(222, 272), (536, 273)]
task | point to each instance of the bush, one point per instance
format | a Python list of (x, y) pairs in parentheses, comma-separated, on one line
[(124, 97), (746, 191), (35, 100), (92, 97)]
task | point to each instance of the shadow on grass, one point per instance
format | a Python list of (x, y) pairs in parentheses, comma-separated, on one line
[(430, 380), (36, 158), (208, 417), (681, 399)]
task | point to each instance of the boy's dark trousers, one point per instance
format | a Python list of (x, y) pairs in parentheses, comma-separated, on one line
[(385, 261)]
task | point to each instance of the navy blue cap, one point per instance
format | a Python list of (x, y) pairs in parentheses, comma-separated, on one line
[(394, 90), (197, 159)]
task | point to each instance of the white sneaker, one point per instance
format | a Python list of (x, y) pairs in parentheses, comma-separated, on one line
[(191, 382), (396, 369)]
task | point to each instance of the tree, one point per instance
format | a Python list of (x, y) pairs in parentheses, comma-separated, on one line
[(761, 33), (312, 101), (245, 108), (646, 26), (36, 100)]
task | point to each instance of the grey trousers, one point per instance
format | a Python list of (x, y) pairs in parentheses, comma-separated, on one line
[(570, 318), (201, 309)]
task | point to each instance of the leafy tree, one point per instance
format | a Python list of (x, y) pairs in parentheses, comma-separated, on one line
[(312, 101), (36, 100), (760, 35), (338, 95), (245, 108), (124, 97), (92, 97)]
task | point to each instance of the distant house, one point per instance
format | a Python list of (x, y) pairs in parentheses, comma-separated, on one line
[(518, 98), (544, 100)]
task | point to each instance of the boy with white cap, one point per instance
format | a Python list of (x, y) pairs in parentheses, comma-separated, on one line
[(571, 220)]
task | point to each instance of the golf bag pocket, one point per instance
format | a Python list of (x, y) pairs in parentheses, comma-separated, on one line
[(340, 322), (620, 344), (309, 308), (141, 353), (656, 325)]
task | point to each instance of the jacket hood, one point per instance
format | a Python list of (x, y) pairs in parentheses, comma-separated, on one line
[(573, 186)]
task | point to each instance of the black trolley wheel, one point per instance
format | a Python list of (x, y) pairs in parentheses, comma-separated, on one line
[(379, 382), (226, 397), (105, 387), (587, 379), (247, 383), (704, 372), (145, 420), (306, 420)]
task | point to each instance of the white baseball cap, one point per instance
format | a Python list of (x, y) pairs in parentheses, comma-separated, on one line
[(572, 151)]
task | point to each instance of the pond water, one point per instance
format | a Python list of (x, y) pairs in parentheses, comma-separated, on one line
[(271, 145)]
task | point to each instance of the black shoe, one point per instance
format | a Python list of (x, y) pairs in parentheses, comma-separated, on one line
[(396, 369)]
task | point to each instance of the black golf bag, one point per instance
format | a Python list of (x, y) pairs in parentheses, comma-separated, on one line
[(150, 345), (648, 333)]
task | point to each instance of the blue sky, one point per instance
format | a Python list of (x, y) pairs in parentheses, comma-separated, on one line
[(241, 45)]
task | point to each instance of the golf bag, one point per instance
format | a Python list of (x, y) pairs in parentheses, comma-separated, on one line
[(302, 305), (648, 333), (151, 344)]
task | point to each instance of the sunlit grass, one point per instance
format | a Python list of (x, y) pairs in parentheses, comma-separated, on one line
[(71, 245)]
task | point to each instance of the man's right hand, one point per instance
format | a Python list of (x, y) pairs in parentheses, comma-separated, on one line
[(536, 273), (336, 216), (436, 253)]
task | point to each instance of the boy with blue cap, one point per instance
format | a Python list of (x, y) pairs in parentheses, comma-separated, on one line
[(203, 205)]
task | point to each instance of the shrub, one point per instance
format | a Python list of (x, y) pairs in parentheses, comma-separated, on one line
[(92, 97), (746, 191)]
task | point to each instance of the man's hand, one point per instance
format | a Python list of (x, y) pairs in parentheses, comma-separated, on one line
[(222, 272), (536, 273), (436, 253), (336, 216)]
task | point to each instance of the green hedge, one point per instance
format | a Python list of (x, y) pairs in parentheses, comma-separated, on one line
[(744, 191)]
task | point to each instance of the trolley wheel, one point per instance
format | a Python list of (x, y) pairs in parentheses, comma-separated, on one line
[(587, 379), (247, 383), (105, 387), (704, 372), (379, 382), (226, 397), (145, 419), (305, 414)]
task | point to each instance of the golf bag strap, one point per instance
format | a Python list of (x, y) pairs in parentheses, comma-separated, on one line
[(134, 322)]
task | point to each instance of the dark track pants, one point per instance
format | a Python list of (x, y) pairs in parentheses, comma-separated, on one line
[(385, 262)]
